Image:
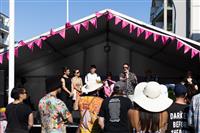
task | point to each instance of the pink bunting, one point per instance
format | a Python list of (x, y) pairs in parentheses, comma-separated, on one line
[(77, 27), (86, 25), (62, 33), (164, 39), (179, 45), (52, 32), (38, 42), (31, 45), (1, 58), (21, 43), (194, 53), (147, 34), (16, 51), (131, 28), (155, 37), (98, 14), (124, 24), (110, 16), (94, 22), (139, 31), (68, 25), (117, 20), (186, 49)]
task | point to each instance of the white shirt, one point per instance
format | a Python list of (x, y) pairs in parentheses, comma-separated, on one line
[(92, 78)]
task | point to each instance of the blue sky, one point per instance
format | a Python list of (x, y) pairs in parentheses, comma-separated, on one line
[(34, 17)]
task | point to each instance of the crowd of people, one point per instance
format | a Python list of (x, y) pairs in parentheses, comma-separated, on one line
[(108, 106)]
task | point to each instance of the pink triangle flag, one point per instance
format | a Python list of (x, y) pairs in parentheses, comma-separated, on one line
[(139, 31), (52, 32), (62, 33), (131, 28), (31, 45), (98, 14), (38, 42), (16, 51), (86, 25), (77, 27), (179, 45), (93, 21), (110, 16), (68, 25), (117, 20), (1, 58), (164, 39), (147, 34), (7, 55), (21, 43), (186, 49), (194, 53), (155, 37), (124, 24)]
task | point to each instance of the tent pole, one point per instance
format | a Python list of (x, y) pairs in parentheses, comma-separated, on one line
[(11, 69), (67, 4)]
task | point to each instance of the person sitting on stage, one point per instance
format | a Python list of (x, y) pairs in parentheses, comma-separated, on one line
[(54, 113), (92, 75), (77, 84)]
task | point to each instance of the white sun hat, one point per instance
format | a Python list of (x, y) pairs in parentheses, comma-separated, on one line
[(149, 96), (90, 87)]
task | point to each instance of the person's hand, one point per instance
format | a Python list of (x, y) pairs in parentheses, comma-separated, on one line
[(71, 94)]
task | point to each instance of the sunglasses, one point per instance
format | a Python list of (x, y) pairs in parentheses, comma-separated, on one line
[(25, 92), (126, 67), (77, 72)]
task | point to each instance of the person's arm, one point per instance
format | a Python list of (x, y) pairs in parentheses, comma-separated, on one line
[(163, 121), (70, 119), (191, 114), (86, 79), (101, 122), (64, 86), (30, 120), (122, 77)]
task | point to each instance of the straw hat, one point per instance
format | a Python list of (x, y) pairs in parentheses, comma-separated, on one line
[(90, 87), (149, 96)]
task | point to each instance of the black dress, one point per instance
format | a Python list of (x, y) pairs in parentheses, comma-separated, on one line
[(64, 96)]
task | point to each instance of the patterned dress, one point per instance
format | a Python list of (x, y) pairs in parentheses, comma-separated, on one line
[(53, 113), (89, 109)]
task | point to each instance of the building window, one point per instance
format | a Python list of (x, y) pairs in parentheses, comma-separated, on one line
[(169, 20), (2, 35)]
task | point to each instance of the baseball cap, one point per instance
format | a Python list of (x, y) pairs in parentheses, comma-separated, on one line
[(180, 90)]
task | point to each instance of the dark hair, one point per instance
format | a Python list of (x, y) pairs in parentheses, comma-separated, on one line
[(93, 66), (126, 64), (16, 92), (65, 69), (149, 120), (53, 85), (117, 91), (109, 74), (74, 71)]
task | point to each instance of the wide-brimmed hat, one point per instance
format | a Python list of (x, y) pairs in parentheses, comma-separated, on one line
[(90, 87), (149, 96)]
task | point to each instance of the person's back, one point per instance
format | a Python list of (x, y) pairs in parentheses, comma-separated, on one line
[(178, 112), (194, 111), (17, 117), (89, 108), (114, 110), (53, 113)]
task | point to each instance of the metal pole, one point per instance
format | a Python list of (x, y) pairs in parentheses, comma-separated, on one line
[(165, 14), (11, 70), (67, 10)]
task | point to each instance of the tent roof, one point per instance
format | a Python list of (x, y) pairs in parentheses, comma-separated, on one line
[(54, 47)]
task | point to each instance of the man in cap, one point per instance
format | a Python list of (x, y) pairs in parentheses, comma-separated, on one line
[(113, 115), (178, 111), (53, 111)]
